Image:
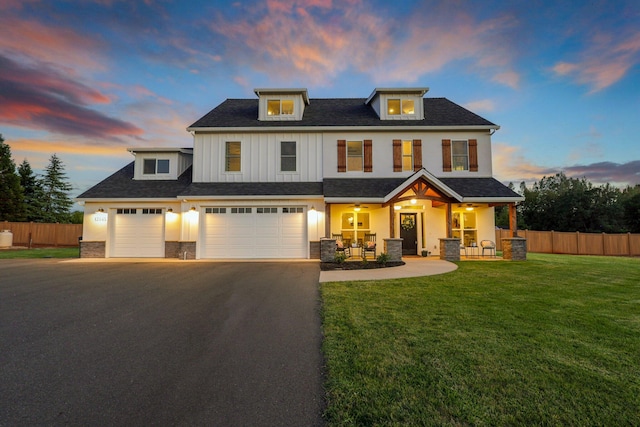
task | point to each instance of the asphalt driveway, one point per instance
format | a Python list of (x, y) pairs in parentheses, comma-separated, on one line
[(176, 343)]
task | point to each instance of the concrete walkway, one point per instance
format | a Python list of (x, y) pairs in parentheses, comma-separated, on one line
[(414, 267)]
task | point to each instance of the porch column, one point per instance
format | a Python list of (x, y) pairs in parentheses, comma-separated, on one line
[(513, 222), (327, 220), (449, 221), (392, 221)]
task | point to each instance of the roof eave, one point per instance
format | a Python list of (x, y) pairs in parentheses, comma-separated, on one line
[(341, 128)]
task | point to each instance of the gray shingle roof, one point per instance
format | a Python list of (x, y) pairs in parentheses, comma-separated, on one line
[(122, 185), (360, 187), (479, 187), (338, 112), (380, 187)]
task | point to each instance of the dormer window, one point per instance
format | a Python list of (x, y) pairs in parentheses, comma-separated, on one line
[(155, 166), (278, 107), (281, 104), (396, 107)]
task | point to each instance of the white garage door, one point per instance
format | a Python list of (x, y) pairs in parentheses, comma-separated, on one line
[(138, 233), (254, 232)]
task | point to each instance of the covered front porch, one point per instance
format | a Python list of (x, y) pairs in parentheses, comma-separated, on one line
[(421, 210)]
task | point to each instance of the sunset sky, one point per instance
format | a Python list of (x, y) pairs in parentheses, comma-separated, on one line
[(87, 79)]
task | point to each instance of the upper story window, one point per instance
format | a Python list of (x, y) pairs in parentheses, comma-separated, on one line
[(407, 155), (287, 156), (396, 107), (459, 155), (354, 156), (232, 156), (155, 166), (278, 107)]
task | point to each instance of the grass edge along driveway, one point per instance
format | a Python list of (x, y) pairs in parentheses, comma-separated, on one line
[(550, 341)]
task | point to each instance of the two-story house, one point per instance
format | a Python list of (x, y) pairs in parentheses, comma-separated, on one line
[(268, 177)]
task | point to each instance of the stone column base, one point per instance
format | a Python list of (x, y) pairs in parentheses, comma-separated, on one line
[(327, 250), (180, 250), (92, 249), (393, 248), (450, 249), (514, 249)]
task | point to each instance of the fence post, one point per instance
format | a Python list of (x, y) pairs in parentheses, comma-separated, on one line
[(552, 248), (578, 242), (604, 249)]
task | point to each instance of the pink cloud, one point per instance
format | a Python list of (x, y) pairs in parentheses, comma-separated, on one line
[(320, 39), (47, 43), (38, 97), (604, 62)]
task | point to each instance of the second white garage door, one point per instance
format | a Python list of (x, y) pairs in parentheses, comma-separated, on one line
[(253, 232)]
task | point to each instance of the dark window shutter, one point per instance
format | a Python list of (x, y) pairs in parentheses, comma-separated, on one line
[(446, 155), (397, 155), (417, 154), (473, 155), (368, 155), (342, 155)]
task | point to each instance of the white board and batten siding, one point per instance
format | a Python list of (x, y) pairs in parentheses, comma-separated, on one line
[(260, 154), (254, 232)]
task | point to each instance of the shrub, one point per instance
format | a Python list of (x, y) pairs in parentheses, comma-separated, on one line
[(383, 258), (340, 257)]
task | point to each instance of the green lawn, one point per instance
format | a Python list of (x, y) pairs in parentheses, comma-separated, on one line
[(39, 253), (554, 340)]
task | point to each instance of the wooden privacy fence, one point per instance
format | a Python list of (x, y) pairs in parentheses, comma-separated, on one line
[(43, 234), (576, 243)]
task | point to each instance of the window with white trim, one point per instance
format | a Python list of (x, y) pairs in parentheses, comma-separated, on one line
[(407, 155), (151, 211), (354, 156), (288, 156), (397, 107), (266, 210), (292, 210), (232, 156), (240, 210), (460, 155), (155, 166), (126, 211), (215, 210), (279, 107)]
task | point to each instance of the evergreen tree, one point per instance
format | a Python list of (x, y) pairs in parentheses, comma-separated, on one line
[(11, 196), (57, 204), (33, 192)]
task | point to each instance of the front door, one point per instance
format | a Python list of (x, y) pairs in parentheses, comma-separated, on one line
[(409, 233)]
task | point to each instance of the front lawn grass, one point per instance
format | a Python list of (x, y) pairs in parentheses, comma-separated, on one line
[(39, 253), (554, 340)]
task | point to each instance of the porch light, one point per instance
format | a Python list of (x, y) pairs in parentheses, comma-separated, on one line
[(169, 210), (357, 208), (470, 208), (397, 207), (100, 210), (414, 201), (193, 209), (313, 208)]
